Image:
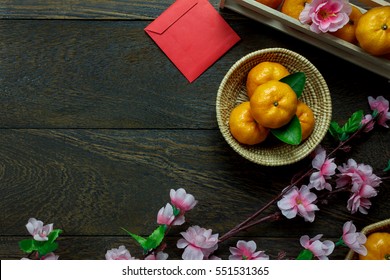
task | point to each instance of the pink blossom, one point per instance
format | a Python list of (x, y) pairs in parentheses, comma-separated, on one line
[(165, 216), (159, 256), (363, 183), (367, 120), (359, 200), (214, 258), (120, 253), (326, 15), (381, 105), (357, 175), (50, 257), (198, 242), (326, 168), (354, 240), (38, 230), (246, 251), (181, 200), (298, 202), (319, 249)]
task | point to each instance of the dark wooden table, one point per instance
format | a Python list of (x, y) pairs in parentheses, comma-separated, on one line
[(97, 126)]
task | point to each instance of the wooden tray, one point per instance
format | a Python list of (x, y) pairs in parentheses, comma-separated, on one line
[(327, 42)]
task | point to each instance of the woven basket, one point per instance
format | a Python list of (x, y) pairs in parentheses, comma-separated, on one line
[(382, 226), (232, 91)]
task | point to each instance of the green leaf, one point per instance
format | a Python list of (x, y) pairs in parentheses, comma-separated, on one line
[(27, 245), (141, 241), (46, 248), (152, 241), (305, 255), (54, 235), (335, 130), (176, 211), (351, 126), (291, 133), (353, 123), (156, 237), (387, 169), (296, 81)]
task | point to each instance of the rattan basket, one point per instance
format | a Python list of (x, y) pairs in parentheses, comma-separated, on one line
[(232, 91), (382, 226)]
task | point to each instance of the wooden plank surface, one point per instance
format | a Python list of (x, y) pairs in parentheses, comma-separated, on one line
[(90, 9), (110, 74), (97, 126)]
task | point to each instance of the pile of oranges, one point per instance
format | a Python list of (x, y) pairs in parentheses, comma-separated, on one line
[(368, 29), (272, 104)]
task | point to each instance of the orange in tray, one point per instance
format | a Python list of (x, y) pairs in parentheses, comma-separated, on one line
[(262, 73), (243, 126), (373, 31), (347, 32), (293, 8), (270, 3)]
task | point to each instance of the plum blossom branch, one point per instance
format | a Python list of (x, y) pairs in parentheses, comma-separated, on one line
[(292, 201), (357, 179)]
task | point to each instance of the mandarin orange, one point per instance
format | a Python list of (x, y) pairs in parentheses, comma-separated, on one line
[(273, 104), (243, 126), (264, 72)]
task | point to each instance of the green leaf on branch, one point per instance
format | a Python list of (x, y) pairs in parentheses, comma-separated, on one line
[(291, 133), (305, 255), (176, 211), (45, 247), (335, 130), (353, 123), (141, 241), (54, 235), (42, 247), (27, 245), (152, 241), (156, 237), (351, 126), (296, 81), (387, 169)]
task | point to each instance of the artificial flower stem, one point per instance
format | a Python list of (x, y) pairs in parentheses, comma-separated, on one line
[(340, 242), (341, 189), (272, 217), (262, 209), (243, 224)]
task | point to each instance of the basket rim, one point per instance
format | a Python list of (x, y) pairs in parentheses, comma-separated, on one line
[(325, 120), (367, 230)]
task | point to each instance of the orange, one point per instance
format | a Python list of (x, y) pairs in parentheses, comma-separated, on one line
[(270, 3), (293, 8), (347, 32), (273, 104), (306, 119), (373, 31), (244, 127), (264, 72)]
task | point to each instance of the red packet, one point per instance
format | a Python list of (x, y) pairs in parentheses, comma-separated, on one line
[(193, 35)]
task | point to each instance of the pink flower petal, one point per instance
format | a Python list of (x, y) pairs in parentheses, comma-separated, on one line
[(192, 253)]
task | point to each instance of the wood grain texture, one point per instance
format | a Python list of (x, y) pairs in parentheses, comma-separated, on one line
[(90, 9), (97, 126), (110, 74), (98, 9), (92, 182)]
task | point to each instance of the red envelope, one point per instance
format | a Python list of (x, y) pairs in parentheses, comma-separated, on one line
[(193, 35)]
